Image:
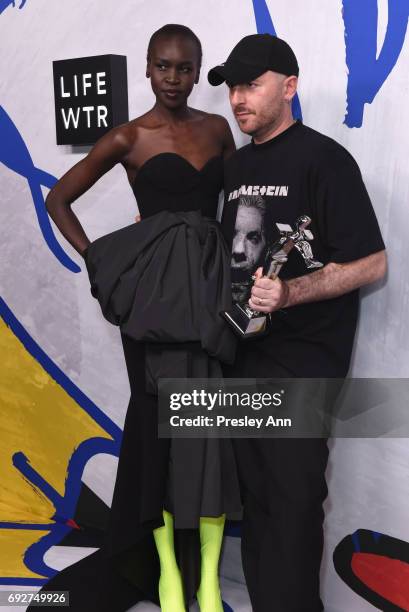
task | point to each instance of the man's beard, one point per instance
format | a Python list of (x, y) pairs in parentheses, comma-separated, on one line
[(265, 123)]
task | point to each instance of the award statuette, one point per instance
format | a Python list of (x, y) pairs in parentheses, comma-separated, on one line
[(247, 322)]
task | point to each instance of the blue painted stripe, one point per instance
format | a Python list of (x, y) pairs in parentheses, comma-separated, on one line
[(265, 25), (15, 155)]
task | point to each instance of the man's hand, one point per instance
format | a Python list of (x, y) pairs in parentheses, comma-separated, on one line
[(268, 295)]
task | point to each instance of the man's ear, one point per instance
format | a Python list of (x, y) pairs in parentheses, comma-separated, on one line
[(148, 72), (290, 87), (197, 77)]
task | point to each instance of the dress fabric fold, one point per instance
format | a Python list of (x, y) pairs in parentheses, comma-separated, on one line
[(164, 281)]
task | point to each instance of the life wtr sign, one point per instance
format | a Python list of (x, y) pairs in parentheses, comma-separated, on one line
[(91, 97)]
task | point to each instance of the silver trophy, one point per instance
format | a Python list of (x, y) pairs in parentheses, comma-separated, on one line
[(247, 322)]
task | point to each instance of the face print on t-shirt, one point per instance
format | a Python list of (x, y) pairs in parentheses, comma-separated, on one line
[(250, 241)]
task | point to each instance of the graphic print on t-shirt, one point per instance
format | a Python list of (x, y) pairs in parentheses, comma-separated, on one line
[(268, 190), (253, 233)]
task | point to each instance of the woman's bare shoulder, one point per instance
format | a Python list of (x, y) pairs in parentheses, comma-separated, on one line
[(126, 136), (213, 120)]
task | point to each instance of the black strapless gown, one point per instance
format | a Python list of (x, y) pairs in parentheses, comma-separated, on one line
[(125, 569)]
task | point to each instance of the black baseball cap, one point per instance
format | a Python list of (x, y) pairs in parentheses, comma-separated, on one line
[(252, 57)]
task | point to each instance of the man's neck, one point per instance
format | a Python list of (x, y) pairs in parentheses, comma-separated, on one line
[(273, 130)]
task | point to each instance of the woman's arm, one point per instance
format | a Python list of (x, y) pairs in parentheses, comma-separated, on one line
[(108, 151)]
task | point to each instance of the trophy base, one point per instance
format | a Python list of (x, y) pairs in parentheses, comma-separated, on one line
[(244, 323)]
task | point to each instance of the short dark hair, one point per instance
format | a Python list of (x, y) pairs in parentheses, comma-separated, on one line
[(174, 29), (259, 203)]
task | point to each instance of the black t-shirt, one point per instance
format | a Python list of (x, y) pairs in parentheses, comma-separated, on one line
[(298, 172)]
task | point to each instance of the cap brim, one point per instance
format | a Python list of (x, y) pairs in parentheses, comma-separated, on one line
[(234, 73), (216, 76)]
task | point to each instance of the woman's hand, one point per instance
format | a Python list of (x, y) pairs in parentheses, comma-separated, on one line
[(137, 218)]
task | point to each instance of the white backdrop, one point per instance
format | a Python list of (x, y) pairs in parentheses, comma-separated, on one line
[(368, 479)]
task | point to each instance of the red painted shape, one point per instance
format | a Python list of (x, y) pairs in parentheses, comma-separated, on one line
[(72, 523), (387, 577)]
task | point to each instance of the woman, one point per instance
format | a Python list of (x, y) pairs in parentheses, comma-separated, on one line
[(173, 156)]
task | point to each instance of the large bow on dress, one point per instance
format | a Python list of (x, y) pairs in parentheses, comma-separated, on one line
[(164, 281)]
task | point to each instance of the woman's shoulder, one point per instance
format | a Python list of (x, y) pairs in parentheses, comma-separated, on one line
[(209, 117), (128, 133), (123, 133), (212, 121)]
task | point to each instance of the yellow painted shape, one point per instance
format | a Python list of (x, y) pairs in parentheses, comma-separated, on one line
[(39, 418), (13, 545)]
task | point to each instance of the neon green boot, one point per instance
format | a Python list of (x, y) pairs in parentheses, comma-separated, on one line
[(170, 582), (211, 538)]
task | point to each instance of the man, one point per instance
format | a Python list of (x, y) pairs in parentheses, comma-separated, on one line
[(296, 171)]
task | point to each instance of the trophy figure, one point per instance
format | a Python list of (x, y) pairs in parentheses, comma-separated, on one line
[(247, 322)]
